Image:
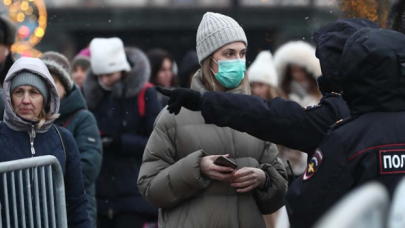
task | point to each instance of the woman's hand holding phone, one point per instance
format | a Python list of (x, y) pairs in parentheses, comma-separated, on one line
[(215, 172), (247, 179)]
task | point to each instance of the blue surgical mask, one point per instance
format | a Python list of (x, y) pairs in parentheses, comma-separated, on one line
[(230, 72)]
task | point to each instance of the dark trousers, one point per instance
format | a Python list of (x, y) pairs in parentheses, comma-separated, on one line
[(125, 220)]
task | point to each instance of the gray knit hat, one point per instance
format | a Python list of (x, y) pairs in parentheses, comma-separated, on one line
[(81, 60), (30, 79), (59, 66), (215, 31)]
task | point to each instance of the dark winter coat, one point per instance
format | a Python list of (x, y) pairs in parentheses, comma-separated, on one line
[(75, 117), (118, 116), (286, 122), (1, 104), (5, 67), (16, 133), (3, 72), (370, 145)]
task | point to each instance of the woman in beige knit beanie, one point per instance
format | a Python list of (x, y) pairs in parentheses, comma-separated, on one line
[(180, 174)]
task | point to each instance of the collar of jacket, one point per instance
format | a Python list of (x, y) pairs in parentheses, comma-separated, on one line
[(198, 85), (72, 102)]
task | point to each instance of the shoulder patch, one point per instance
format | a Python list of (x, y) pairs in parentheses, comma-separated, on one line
[(306, 108), (313, 165), (392, 161)]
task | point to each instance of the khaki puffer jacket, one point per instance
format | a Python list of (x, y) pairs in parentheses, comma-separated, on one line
[(170, 176)]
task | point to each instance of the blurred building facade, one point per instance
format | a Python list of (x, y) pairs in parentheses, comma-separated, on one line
[(172, 24)]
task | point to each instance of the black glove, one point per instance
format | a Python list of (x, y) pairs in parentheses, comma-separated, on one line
[(111, 141), (186, 98)]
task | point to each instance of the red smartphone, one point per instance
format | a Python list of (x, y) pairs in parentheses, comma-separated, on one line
[(223, 161)]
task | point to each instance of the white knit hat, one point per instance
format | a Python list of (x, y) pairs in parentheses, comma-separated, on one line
[(108, 56), (215, 31), (263, 70)]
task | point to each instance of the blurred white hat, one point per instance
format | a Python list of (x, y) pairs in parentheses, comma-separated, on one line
[(263, 69), (108, 56)]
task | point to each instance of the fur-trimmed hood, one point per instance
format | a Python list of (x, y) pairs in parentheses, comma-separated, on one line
[(396, 16), (376, 86), (130, 85), (330, 41), (299, 53)]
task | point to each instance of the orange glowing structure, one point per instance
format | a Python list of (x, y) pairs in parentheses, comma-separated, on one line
[(31, 19), (374, 10)]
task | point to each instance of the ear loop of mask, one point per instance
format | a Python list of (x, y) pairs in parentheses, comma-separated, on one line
[(212, 80)]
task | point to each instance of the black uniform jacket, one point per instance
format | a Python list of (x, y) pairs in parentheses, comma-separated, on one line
[(369, 146)]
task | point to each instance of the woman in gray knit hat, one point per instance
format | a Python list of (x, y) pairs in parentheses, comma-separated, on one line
[(31, 107), (180, 174)]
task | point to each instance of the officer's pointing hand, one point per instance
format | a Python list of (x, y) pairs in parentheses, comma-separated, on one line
[(186, 98)]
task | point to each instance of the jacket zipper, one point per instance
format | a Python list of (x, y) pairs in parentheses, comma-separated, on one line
[(32, 137)]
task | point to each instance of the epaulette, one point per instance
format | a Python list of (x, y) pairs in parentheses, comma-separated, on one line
[(341, 122), (329, 95), (311, 107)]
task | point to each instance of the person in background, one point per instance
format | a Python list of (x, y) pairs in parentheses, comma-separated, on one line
[(162, 71), (188, 66), (7, 37), (263, 77), (263, 81), (125, 106), (31, 107), (298, 68), (75, 117), (80, 65), (178, 173)]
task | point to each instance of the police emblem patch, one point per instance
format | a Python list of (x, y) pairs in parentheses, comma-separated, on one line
[(313, 164), (392, 161)]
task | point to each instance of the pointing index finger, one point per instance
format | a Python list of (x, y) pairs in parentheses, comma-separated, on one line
[(164, 91)]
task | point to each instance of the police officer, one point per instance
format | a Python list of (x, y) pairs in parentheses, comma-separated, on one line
[(280, 121), (369, 145)]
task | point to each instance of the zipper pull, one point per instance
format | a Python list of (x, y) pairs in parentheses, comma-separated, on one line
[(33, 133), (32, 150), (32, 137)]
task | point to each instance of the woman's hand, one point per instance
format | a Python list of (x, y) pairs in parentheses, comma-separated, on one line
[(247, 179), (215, 172)]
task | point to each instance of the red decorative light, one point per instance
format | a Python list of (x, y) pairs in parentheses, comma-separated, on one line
[(24, 31)]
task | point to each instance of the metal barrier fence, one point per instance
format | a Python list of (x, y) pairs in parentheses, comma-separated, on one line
[(44, 175)]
